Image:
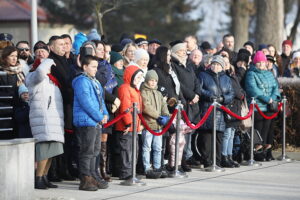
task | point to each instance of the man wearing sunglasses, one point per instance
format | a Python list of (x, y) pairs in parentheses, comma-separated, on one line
[(24, 52)]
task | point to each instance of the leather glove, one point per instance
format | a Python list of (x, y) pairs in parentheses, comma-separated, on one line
[(163, 120)]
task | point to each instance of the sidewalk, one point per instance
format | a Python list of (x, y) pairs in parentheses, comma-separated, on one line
[(272, 181)]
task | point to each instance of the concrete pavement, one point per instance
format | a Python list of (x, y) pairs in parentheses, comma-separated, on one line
[(274, 180)]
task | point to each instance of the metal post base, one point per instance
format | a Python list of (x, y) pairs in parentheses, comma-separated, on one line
[(284, 158), (251, 163), (133, 182), (214, 168), (178, 174)]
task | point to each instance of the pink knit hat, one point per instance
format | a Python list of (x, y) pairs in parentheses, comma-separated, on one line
[(259, 57)]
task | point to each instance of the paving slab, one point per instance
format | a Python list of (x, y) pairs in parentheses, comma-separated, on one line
[(274, 180)]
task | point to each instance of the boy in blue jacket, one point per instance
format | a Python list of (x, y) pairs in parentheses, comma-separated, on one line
[(89, 114)]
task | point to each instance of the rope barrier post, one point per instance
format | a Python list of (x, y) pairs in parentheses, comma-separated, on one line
[(284, 157), (134, 181), (178, 174), (214, 167), (252, 162)]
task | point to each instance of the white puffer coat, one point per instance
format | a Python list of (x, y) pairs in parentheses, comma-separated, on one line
[(46, 107)]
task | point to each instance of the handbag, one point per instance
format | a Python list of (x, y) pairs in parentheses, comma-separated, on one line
[(273, 107), (246, 124)]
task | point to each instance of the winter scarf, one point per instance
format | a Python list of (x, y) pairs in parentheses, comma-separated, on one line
[(15, 70)]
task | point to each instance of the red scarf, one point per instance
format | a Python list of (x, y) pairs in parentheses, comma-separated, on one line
[(54, 80)]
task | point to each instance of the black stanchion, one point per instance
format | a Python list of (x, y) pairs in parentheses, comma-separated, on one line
[(214, 167), (134, 180), (284, 157), (252, 162)]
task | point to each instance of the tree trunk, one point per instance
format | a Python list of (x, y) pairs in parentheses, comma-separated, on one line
[(293, 33), (269, 26), (240, 22)]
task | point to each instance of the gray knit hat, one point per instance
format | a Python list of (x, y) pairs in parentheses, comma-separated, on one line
[(218, 59), (151, 74)]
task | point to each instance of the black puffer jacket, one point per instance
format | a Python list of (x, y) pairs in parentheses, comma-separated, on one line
[(236, 105), (190, 87), (63, 72), (214, 85), (8, 80)]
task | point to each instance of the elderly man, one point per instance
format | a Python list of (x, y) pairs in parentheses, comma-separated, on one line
[(194, 60)]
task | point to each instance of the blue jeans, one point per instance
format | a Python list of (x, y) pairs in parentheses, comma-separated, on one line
[(155, 142), (187, 151), (227, 141)]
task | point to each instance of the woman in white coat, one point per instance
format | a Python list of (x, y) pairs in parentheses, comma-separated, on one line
[(46, 118)]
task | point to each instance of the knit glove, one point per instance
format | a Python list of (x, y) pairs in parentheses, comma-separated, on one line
[(163, 120)]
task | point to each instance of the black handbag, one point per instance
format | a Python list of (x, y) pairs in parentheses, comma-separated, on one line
[(273, 107)]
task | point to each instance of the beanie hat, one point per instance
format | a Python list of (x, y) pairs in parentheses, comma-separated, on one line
[(151, 74), (177, 45), (262, 46), (218, 59), (243, 55), (5, 37), (89, 43), (154, 41), (125, 41), (250, 44), (79, 39), (259, 57), (40, 45), (22, 89), (139, 54), (287, 42), (93, 35), (296, 54), (115, 57), (116, 48), (140, 41), (270, 58)]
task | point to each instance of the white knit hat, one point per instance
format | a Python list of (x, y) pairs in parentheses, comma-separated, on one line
[(296, 54), (139, 54)]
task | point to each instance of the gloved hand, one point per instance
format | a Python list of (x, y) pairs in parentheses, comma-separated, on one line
[(163, 120), (220, 99)]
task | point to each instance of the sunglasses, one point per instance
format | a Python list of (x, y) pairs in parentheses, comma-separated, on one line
[(23, 49)]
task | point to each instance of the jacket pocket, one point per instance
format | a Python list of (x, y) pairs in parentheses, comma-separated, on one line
[(49, 102)]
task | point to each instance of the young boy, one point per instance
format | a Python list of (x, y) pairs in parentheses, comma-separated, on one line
[(156, 114), (89, 113)]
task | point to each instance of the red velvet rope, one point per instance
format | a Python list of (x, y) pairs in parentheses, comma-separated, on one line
[(237, 116), (108, 124), (204, 118), (268, 117), (164, 129)]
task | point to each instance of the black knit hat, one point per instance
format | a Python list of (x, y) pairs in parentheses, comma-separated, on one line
[(156, 41), (243, 55), (270, 58), (40, 45), (173, 43), (250, 44), (140, 41)]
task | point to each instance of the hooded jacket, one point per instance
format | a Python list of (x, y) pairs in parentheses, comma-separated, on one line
[(128, 95)]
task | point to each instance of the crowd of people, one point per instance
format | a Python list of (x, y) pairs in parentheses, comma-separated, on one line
[(63, 93)]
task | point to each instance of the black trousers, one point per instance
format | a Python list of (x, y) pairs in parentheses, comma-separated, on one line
[(265, 127), (205, 145), (125, 142), (89, 142)]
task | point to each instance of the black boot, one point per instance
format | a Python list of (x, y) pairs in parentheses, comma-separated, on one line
[(185, 167), (39, 183), (225, 162), (235, 164), (52, 174), (48, 183), (269, 156)]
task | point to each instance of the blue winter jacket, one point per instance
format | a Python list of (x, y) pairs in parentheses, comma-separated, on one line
[(89, 107), (261, 85)]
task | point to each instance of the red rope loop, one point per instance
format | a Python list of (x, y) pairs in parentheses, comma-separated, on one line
[(201, 122), (268, 117), (108, 124), (164, 129), (237, 116)]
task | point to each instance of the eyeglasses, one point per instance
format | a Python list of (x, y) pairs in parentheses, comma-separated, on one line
[(23, 49)]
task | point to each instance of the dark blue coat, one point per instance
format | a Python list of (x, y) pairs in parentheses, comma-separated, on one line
[(214, 85)]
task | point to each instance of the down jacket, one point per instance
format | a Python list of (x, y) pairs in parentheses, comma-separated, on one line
[(262, 85), (214, 85), (46, 107), (90, 110)]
